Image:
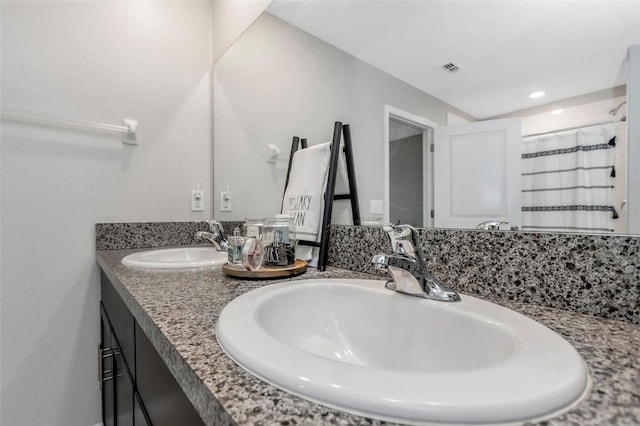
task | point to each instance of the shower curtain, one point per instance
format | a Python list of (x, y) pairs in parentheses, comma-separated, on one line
[(568, 181)]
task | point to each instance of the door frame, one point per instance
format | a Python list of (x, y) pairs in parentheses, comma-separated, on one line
[(427, 126)]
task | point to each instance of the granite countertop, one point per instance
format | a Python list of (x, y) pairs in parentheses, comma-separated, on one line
[(178, 311)]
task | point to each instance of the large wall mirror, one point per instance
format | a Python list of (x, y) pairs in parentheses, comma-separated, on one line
[(401, 72)]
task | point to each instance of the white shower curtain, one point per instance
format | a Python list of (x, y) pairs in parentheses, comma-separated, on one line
[(568, 181)]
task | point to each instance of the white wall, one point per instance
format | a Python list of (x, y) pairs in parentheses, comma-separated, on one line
[(231, 19), (276, 82), (572, 116), (99, 61)]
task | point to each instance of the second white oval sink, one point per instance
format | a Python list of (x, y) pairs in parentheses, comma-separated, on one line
[(356, 346), (176, 258)]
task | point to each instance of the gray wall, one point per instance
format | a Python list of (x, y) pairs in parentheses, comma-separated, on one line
[(276, 82), (406, 180)]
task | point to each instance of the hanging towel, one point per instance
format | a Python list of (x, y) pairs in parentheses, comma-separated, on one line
[(304, 196)]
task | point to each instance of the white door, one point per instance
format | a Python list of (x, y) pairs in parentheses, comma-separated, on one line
[(477, 173)]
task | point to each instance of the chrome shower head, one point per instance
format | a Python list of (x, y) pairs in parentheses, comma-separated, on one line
[(614, 111)]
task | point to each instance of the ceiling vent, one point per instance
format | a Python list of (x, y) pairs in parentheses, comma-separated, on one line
[(451, 67)]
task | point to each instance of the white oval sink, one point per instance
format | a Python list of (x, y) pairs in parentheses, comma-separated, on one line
[(173, 258), (356, 346)]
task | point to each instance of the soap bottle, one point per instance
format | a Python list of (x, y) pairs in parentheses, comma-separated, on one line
[(252, 254), (234, 250)]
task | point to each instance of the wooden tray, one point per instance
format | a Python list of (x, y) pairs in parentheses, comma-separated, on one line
[(266, 272)]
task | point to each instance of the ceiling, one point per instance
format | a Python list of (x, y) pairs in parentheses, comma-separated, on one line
[(505, 49)]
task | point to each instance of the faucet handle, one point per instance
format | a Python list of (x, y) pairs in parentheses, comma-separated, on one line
[(398, 232), (216, 228), (405, 240)]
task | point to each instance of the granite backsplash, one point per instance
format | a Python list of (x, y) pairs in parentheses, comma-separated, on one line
[(590, 274), (118, 236)]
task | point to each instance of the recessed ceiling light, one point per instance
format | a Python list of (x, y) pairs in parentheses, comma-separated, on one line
[(535, 95), (557, 111)]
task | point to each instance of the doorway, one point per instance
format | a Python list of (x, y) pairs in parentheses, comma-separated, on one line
[(408, 168)]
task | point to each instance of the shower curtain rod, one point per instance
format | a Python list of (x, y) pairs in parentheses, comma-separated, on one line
[(566, 129)]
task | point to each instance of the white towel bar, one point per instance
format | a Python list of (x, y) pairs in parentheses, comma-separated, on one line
[(128, 127)]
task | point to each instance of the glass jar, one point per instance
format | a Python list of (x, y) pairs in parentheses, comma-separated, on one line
[(278, 238), (276, 230), (252, 227)]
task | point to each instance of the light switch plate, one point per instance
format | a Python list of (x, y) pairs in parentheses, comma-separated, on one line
[(225, 201)]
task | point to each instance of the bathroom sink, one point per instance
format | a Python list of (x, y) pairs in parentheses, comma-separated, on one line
[(174, 258), (356, 346)]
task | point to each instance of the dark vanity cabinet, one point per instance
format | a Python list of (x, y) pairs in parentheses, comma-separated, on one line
[(106, 370), (116, 382), (137, 387), (117, 354)]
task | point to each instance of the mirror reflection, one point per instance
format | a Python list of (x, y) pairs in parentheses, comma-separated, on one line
[(278, 81), (406, 172)]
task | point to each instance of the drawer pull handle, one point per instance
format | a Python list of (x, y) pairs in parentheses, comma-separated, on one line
[(104, 353)]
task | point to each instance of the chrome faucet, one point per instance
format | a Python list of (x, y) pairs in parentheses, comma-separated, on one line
[(408, 268), (215, 236), (492, 225)]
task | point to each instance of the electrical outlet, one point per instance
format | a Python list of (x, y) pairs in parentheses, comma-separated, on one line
[(197, 200), (225, 201)]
